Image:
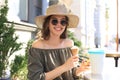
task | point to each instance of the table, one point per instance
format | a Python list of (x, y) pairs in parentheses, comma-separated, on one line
[(114, 55), (110, 72), (102, 77)]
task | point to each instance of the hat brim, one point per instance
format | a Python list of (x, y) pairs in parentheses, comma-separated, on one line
[(73, 20)]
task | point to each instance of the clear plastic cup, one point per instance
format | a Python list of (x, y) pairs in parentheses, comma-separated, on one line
[(96, 60)]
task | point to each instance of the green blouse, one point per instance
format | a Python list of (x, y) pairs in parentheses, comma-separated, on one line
[(41, 61)]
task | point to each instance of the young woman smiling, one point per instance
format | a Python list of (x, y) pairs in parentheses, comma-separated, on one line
[(50, 57)]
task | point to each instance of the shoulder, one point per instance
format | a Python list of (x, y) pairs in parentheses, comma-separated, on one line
[(68, 42), (37, 43)]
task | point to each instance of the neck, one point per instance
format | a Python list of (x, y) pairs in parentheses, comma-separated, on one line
[(54, 43)]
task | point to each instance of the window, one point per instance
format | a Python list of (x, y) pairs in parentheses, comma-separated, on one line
[(23, 12)]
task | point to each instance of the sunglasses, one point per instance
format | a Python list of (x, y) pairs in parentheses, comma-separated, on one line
[(62, 22)]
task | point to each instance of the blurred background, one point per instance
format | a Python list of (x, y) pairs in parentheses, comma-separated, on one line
[(97, 26)]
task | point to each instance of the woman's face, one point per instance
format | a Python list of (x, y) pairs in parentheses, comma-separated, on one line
[(57, 25)]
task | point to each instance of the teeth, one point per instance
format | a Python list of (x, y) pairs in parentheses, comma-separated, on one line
[(58, 28)]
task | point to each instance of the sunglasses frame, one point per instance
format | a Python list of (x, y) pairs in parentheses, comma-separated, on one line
[(62, 22)]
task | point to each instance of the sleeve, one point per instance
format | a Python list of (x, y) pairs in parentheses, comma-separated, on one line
[(74, 75), (35, 65)]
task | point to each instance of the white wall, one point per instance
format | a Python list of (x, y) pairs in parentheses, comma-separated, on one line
[(13, 10), (25, 32)]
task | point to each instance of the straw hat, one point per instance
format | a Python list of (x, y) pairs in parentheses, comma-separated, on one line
[(58, 9)]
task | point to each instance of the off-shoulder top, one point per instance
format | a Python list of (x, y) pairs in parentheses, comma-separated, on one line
[(41, 61)]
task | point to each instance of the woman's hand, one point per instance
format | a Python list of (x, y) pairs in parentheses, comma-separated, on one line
[(84, 66), (70, 63)]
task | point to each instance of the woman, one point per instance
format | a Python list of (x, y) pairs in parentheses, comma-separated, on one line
[(50, 57)]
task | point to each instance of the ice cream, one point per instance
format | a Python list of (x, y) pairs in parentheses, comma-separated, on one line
[(75, 50)]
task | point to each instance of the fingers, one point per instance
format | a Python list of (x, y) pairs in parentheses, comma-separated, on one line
[(71, 62), (86, 62), (75, 58), (85, 65), (75, 61)]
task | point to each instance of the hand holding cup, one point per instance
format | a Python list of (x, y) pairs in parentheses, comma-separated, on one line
[(75, 51)]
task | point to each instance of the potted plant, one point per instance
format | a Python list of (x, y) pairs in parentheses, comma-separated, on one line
[(8, 41)]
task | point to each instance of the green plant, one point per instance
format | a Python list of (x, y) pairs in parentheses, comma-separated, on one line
[(8, 39), (19, 64), (76, 41)]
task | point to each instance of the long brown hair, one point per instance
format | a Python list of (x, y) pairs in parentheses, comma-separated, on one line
[(45, 32)]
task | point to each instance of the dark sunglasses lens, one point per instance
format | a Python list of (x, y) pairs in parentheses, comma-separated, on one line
[(63, 22), (54, 22)]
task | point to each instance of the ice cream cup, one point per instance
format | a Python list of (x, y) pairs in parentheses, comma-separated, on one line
[(75, 50)]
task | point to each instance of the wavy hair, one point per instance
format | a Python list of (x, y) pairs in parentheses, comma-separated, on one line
[(44, 33)]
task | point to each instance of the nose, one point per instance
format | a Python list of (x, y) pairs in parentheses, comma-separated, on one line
[(59, 23)]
